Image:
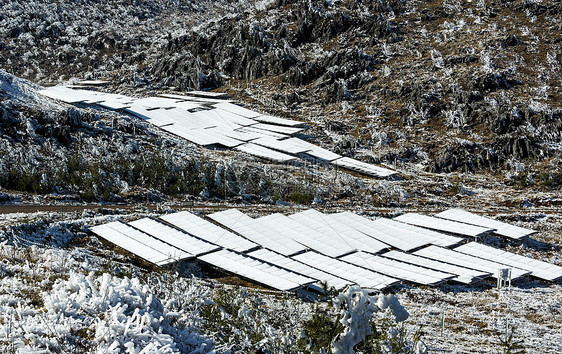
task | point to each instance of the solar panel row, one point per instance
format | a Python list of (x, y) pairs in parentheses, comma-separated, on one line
[(310, 247)]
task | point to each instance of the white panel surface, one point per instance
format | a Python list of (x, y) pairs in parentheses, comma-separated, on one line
[(286, 145), (502, 228), (465, 260), (263, 152), (337, 233), (463, 275), (67, 95), (317, 151), (439, 224), (261, 132), (398, 238), (432, 237), (301, 268), (539, 269), (256, 270), (139, 243), (225, 118), (155, 102), (363, 167), (208, 231), (278, 121), (360, 276), (236, 109), (278, 128), (264, 235), (397, 269), (308, 236), (173, 236)]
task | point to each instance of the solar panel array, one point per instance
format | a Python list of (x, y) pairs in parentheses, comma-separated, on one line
[(363, 277), (463, 275), (208, 231), (301, 268), (468, 261), (259, 271), (397, 269), (205, 119), (539, 269), (431, 222), (140, 243), (501, 228), (258, 232), (310, 247)]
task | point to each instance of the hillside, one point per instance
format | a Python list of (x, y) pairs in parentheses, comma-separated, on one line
[(461, 98)]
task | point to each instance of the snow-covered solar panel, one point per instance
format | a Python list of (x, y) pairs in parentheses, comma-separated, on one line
[(256, 270), (262, 132), (114, 104), (502, 228), (462, 274), (155, 102), (284, 145), (174, 237), (401, 239), (278, 128), (236, 109), (338, 233), (260, 233), (317, 151), (363, 167), (539, 269), (308, 236), (265, 153), (189, 105), (140, 243), (465, 260), (198, 97), (301, 268), (363, 277), (278, 121), (222, 117), (439, 224), (242, 135), (432, 237), (397, 269), (202, 136), (66, 94), (208, 231)]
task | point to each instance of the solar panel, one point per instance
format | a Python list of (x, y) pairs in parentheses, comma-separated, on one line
[(317, 151), (278, 128), (463, 275), (285, 145), (208, 231), (339, 234), (305, 235), (261, 272), (429, 236), (501, 228), (189, 97), (439, 224), (363, 277), (139, 243), (379, 230), (236, 109), (539, 269), (301, 268), (397, 269), (155, 102), (174, 237), (465, 260), (262, 234), (263, 152), (365, 168), (65, 94), (278, 121), (225, 118), (202, 136), (262, 132)]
